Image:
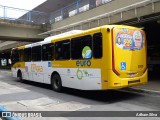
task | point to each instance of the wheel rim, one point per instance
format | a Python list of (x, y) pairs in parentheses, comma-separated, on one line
[(56, 83)]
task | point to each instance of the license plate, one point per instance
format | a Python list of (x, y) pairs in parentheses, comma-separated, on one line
[(132, 75), (133, 81)]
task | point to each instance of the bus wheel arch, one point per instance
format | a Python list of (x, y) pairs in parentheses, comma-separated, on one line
[(19, 75), (56, 82)]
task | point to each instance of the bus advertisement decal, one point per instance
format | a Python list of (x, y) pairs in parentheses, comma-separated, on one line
[(83, 73), (36, 68), (86, 52), (79, 74), (26, 69), (129, 39)]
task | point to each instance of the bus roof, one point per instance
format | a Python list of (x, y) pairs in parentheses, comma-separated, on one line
[(63, 35), (48, 39)]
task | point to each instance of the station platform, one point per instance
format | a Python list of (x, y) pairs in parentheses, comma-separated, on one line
[(152, 87)]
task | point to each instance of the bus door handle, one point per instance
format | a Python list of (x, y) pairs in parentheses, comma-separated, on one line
[(71, 77)]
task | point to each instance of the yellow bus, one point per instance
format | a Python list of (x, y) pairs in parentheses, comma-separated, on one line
[(106, 57)]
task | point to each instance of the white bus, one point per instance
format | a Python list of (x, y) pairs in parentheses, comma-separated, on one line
[(106, 57)]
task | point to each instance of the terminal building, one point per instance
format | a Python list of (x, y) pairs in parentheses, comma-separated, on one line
[(54, 17)]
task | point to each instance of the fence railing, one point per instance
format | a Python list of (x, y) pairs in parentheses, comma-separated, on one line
[(23, 15), (76, 8), (41, 18)]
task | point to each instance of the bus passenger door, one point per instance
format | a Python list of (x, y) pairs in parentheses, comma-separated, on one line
[(37, 66)]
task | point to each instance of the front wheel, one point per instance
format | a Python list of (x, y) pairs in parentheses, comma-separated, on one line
[(56, 83), (19, 76)]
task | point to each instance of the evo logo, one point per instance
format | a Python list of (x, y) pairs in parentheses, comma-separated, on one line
[(83, 63)]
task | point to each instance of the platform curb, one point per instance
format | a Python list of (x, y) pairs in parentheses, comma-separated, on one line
[(142, 91)]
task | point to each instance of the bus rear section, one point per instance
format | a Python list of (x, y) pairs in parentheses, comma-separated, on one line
[(129, 53)]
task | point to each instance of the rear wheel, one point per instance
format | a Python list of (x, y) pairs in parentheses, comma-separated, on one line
[(56, 83)]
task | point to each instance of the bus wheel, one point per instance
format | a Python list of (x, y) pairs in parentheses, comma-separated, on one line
[(56, 83), (19, 76)]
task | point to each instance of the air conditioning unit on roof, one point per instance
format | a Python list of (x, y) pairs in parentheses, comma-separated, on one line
[(63, 34)]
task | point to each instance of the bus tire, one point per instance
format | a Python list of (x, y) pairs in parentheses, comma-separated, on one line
[(56, 83), (19, 76)]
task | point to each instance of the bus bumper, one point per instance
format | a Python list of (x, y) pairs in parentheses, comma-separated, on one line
[(115, 82)]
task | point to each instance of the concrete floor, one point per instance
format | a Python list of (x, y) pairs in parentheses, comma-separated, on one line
[(31, 96)]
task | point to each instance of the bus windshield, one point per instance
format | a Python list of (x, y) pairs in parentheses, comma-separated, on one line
[(14, 56)]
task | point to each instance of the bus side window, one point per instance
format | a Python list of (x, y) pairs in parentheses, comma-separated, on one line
[(78, 44), (62, 50), (27, 54), (97, 45), (48, 52), (36, 53), (76, 52)]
